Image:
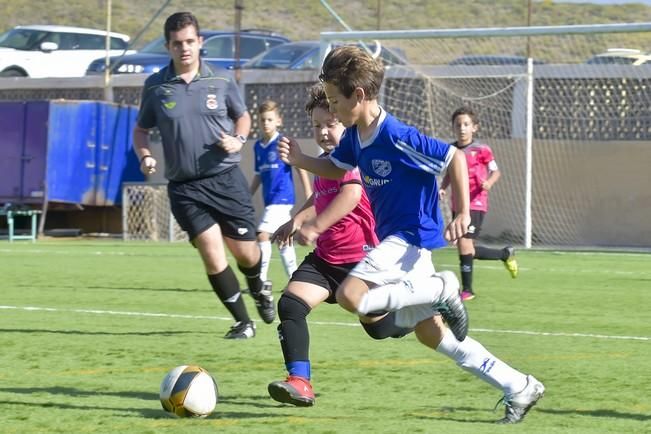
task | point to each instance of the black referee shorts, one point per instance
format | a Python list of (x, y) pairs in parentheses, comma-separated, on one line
[(224, 199)]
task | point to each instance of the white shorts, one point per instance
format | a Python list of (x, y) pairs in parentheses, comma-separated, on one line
[(274, 216), (394, 260)]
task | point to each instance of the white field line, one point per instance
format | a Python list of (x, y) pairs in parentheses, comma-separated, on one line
[(324, 323), (41, 251), (439, 266)]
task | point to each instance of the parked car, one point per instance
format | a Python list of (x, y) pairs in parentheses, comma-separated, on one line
[(218, 49), (305, 55), (54, 51), (492, 59), (621, 56)]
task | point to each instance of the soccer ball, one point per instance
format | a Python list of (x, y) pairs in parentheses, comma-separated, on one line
[(188, 391)]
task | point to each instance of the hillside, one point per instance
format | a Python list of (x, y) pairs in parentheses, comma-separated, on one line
[(304, 19)]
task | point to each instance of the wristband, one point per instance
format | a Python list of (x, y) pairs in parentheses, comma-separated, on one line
[(143, 158)]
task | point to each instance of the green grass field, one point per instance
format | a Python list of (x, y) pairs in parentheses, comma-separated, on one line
[(88, 330)]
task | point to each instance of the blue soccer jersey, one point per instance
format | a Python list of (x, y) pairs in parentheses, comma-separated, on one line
[(399, 166), (275, 176)]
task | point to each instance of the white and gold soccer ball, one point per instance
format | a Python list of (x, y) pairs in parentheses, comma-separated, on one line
[(188, 391)]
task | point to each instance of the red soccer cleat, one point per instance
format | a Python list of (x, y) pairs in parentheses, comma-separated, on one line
[(295, 390)]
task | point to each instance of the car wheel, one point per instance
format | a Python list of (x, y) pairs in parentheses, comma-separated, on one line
[(12, 73)]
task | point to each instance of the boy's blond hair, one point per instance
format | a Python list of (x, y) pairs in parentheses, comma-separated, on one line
[(349, 67), (269, 106)]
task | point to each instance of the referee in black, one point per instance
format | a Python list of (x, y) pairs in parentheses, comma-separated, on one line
[(203, 124)]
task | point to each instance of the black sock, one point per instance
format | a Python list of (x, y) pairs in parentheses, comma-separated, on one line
[(466, 272), (482, 252), (293, 332), (227, 288), (252, 276), (385, 328)]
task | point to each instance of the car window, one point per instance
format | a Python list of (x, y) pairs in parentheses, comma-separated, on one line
[(219, 47), (611, 60), (118, 44), (22, 39), (311, 62), (251, 47), (273, 43), (157, 46), (282, 56), (65, 41)]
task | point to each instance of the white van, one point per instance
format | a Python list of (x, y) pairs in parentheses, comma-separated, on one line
[(54, 51)]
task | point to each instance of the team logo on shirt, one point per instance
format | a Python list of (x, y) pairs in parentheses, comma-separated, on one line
[(272, 156), (381, 167), (211, 101)]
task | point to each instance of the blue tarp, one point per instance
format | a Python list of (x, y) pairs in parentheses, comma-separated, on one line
[(76, 152)]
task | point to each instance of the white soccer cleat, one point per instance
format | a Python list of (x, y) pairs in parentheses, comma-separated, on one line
[(519, 404)]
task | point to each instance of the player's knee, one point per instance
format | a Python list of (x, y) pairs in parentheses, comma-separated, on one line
[(291, 307), (385, 328), (344, 300)]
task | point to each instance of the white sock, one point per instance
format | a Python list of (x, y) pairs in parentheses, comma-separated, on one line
[(265, 248), (288, 256), (474, 358), (408, 292)]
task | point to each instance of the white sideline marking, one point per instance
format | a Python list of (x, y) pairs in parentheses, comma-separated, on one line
[(326, 323)]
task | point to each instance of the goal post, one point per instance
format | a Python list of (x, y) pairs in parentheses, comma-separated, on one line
[(563, 129), (146, 214)]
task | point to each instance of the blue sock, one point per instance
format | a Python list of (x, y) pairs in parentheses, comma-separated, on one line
[(300, 368)]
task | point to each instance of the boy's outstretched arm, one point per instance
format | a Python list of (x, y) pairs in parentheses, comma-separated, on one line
[(458, 175), (290, 152), (285, 233), (345, 201)]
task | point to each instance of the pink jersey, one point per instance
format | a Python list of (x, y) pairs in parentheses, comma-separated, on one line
[(481, 162), (349, 239)]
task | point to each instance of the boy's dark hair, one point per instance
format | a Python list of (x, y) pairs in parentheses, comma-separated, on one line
[(316, 99), (468, 112), (349, 67), (179, 21), (269, 106)]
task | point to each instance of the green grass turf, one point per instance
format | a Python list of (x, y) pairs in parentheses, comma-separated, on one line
[(88, 330)]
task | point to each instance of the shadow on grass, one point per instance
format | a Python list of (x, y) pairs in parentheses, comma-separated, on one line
[(72, 391), (599, 413), (113, 288), (153, 412), (83, 332)]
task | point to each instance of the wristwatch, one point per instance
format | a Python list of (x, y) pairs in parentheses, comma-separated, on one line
[(241, 138)]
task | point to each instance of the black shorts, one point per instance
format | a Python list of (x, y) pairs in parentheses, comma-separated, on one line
[(224, 199), (322, 273), (476, 220)]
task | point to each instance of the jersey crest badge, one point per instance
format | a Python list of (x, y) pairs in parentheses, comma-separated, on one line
[(381, 167), (211, 101), (272, 156)]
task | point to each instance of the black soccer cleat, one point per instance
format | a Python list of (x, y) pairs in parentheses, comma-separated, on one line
[(241, 330), (450, 305), (264, 302)]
